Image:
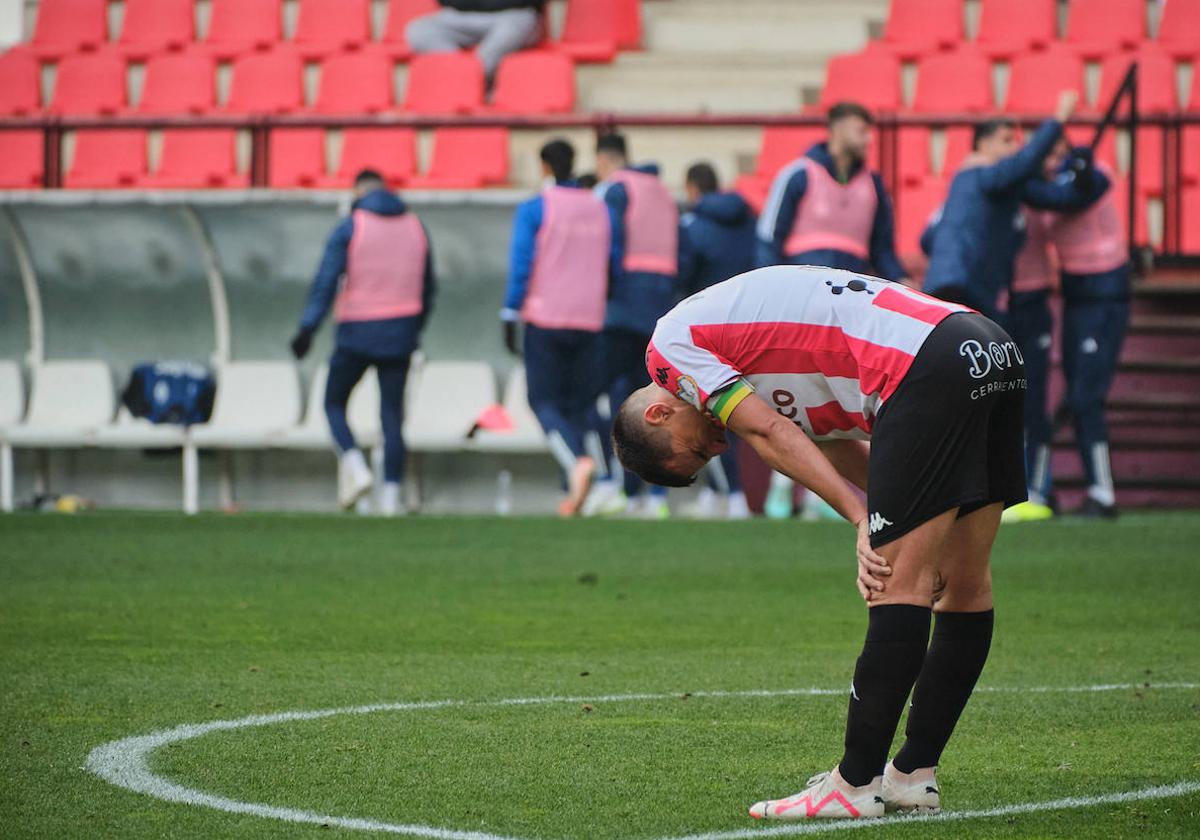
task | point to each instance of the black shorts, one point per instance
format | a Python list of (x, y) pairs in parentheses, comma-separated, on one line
[(952, 435)]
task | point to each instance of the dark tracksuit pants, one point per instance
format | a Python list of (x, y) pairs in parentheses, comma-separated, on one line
[(1030, 324), (1095, 318), (346, 367), (563, 369)]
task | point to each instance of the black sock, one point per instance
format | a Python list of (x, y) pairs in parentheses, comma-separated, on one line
[(953, 665), (897, 635)]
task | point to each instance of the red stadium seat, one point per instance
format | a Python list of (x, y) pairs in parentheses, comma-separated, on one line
[(179, 83), (1097, 27), (1190, 227), (1178, 32), (1010, 27), (870, 77), (535, 82), (152, 26), (955, 81), (400, 14), (958, 146), (237, 27), (392, 152), (444, 83), (107, 158), (21, 161), (325, 27), (595, 29), (783, 144), (913, 149), (89, 84), (297, 158), (267, 83), (1191, 154), (68, 26), (1193, 102), (20, 83), (1156, 79), (917, 27), (1036, 79), (466, 158), (355, 83), (197, 157), (916, 204)]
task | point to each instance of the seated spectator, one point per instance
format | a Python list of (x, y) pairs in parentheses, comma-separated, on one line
[(494, 28)]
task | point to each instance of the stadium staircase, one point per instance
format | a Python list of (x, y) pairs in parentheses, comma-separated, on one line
[(1154, 405)]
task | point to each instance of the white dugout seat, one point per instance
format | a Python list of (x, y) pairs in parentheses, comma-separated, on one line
[(68, 401), (255, 400), (526, 437), (447, 399)]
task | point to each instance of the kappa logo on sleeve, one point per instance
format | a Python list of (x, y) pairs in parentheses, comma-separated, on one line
[(662, 375), (855, 285)]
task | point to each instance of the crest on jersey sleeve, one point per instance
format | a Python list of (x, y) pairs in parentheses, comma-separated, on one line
[(669, 377)]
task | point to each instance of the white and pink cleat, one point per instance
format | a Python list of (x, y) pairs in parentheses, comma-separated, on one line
[(828, 796)]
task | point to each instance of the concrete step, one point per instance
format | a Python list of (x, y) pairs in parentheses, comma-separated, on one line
[(698, 83), (1130, 464), (1163, 335), (1134, 495), (759, 26)]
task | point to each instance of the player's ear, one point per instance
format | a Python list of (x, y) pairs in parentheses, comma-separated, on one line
[(657, 413)]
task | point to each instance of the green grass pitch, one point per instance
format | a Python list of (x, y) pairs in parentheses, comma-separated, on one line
[(114, 625)]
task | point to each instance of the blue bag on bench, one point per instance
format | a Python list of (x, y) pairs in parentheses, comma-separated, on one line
[(170, 392)]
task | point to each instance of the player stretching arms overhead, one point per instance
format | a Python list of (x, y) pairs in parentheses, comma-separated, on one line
[(805, 364)]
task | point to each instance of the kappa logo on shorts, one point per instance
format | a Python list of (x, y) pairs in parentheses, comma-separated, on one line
[(877, 523)]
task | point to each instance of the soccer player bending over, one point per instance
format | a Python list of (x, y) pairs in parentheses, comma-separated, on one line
[(805, 364)]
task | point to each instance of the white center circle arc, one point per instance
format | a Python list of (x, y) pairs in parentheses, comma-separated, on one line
[(124, 763)]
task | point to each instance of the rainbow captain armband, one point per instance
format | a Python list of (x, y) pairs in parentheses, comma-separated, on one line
[(723, 403)]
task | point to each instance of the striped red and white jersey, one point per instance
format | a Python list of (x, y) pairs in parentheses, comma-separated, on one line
[(826, 348)]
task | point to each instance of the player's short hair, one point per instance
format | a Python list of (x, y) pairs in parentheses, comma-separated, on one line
[(703, 177), (845, 110), (643, 448), (612, 143), (984, 130), (587, 180), (559, 155), (369, 178)]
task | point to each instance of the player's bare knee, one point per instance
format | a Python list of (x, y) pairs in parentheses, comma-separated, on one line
[(965, 592)]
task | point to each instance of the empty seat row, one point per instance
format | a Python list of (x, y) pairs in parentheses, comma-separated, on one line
[(94, 84), (961, 80), (462, 158), (1095, 28), (258, 406), (593, 31)]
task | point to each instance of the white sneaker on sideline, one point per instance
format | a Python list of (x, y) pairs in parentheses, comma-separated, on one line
[(648, 506), (389, 500), (737, 507), (916, 792), (828, 796), (354, 478), (605, 499), (706, 505)]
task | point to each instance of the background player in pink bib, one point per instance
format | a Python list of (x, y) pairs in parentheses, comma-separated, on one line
[(806, 364)]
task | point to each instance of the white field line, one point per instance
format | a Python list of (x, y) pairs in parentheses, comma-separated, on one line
[(124, 763)]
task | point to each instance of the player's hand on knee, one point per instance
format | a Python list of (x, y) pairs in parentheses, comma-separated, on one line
[(872, 568)]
